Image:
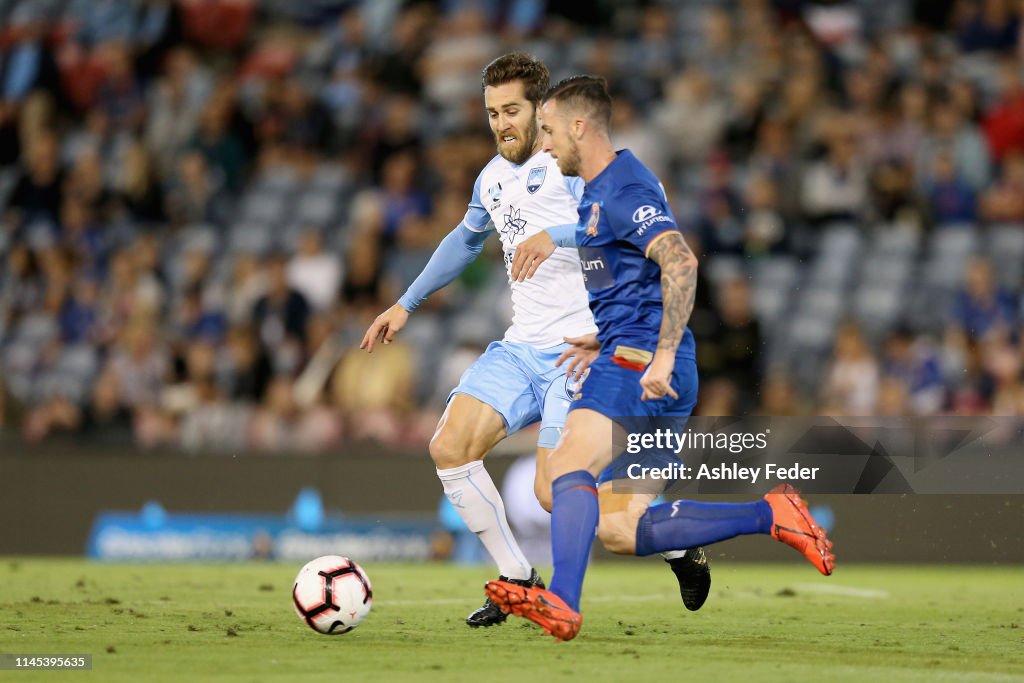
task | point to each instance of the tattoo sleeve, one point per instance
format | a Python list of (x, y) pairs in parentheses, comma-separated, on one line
[(678, 286)]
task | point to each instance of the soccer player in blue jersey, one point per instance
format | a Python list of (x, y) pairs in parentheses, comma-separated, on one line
[(641, 277), (517, 381)]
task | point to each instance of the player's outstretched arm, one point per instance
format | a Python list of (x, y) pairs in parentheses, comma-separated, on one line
[(384, 327), (456, 251), (678, 288), (534, 251), (530, 254)]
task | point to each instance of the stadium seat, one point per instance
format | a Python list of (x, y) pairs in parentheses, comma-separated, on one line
[(896, 241), (949, 240), (317, 207), (330, 178), (877, 305), (251, 237), (266, 208), (1006, 251), (279, 180), (823, 304), (841, 238), (892, 270), (724, 267)]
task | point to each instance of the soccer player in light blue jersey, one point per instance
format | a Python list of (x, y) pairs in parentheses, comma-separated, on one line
[(641, 277), (516, 382)]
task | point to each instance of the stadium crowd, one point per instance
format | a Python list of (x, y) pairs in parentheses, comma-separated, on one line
[(205, 202)]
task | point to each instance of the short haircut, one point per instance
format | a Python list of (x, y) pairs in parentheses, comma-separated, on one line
[(587, 95), (519, 66)]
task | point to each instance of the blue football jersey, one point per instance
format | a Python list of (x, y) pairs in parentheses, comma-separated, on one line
[(622, 211)]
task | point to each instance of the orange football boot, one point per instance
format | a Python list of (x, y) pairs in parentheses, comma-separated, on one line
[(540, 606), (793, 525)]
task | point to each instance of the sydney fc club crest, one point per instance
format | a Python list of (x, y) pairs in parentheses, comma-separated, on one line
[(595, 216), (536, 178)]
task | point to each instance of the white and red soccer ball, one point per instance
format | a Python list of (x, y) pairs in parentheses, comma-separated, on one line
[(332, 594)]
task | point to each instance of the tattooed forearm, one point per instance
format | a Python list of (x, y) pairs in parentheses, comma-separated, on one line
[(678, 286)]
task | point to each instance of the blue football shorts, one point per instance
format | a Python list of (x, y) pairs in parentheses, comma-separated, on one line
[(523, 385), (613, 389)]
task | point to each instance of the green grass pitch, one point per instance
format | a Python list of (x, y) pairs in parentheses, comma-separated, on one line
[(199, 623)]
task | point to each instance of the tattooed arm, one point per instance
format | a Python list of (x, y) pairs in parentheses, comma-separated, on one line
[(678, 288)]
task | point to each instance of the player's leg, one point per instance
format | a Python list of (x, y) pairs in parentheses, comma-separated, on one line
[(555, 392), (620, 510), (541, 480), (493, 399), (584, 449), (467, 431)]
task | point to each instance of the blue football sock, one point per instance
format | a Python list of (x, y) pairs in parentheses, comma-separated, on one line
[(573, 526), (689, 523)]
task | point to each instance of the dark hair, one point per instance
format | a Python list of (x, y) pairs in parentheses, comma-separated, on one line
[(519, 66), (585, 94)]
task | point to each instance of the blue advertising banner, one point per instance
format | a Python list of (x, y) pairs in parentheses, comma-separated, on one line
[(149, 536)]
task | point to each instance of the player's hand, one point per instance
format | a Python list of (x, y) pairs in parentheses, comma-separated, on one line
[(657, 379), (530, 254), (385, 327), (583, 351)]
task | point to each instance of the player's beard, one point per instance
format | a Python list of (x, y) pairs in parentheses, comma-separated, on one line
[(569, 163), (519, 153)]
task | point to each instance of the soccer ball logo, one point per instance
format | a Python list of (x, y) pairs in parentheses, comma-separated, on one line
[(332, 594)]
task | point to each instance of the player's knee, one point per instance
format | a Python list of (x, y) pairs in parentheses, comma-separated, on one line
[(564, 460), (542, 489), (617, 536), (448, 450)]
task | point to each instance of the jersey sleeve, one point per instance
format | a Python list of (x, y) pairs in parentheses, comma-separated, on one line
[(477, 219), (640, 213), (575, 185)]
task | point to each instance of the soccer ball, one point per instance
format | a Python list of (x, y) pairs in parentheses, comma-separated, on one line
[(332, 594)]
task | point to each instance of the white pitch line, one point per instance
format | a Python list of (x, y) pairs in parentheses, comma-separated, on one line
[(812, 588), (844, 591), (467, 601)]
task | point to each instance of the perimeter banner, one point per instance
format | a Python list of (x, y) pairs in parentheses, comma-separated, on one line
[(750, 455)]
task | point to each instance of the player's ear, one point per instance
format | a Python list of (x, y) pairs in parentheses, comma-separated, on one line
[(579, 127)]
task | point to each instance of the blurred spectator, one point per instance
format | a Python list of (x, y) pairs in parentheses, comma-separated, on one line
[(1004, 122), (1003, 202), (218, 143), (691, 118), (951, 134), (721, 229), (139, 364), (315, 273), (951, 198), (893, 197), (917, 367), (779, 397), (136, 187), (982, 307), (988, 25), (175, 103), (195, 195), (733, 352), (279, 426), (280, 316), (851, 384), (836, 187), (38, 192)]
